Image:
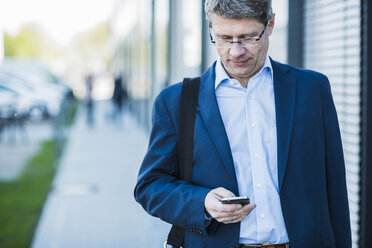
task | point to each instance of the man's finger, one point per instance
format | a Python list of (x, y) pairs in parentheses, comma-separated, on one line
[(228, 207), (237, 216), (245, 210), (223, 215), (222, 192), (218, 206)]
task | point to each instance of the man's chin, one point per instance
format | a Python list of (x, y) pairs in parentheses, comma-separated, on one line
[(242, 73)]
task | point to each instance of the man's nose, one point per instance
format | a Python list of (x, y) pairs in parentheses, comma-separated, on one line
[(237, 50)]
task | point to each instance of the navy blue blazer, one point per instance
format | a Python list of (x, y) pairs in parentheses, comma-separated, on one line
[(311, 168)]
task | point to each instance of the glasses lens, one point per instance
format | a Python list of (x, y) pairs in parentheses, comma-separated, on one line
[(223, 44), (249, 43), (243, 43)]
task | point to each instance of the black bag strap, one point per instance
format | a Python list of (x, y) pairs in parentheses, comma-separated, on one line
[(186, 124)]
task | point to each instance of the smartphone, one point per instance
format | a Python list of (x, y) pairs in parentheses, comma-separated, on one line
[(236, 200)]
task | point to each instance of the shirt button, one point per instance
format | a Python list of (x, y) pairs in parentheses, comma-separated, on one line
[(253, 125), (262, 216), (256, 155), (259, 185)]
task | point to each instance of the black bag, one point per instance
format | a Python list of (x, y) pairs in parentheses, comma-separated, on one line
[(186, 124)]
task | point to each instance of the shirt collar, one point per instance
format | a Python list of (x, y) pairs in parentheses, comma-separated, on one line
[(221, 74)]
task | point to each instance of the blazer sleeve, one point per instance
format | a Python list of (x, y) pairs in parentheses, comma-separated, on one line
[(335, 171), (159, 190)]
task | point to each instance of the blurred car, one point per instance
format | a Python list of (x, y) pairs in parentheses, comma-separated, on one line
[(46, 89), (36, 73), (39, 104)]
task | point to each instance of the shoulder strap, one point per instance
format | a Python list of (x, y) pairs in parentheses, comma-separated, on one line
[(186, 124)]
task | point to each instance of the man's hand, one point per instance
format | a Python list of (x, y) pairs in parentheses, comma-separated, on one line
[(225, 213)]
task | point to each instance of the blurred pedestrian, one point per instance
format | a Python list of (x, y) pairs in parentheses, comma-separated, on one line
[(117, 98), (89, 100), (263, 129)]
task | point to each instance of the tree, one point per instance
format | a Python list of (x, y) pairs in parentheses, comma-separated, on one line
[(31, 41)]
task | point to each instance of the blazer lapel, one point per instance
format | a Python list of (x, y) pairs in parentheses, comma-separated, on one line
[(285, 97), (210, 114)]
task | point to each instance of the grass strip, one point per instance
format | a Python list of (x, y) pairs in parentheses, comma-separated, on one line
[(22, 200)]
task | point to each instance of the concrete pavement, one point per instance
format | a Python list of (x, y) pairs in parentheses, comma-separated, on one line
[(91, 203)]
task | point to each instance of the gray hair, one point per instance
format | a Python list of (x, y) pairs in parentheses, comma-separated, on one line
[(259, 10)]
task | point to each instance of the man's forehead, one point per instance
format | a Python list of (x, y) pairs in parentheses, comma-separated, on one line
[(223, 21), (228, 26)]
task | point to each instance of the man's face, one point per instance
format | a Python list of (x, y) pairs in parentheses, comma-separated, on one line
[(241, 63)]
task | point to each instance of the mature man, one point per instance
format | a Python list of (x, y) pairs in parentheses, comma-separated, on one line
[(263, 129)]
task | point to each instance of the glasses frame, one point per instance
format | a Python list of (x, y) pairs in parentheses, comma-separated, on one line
[(240, 41)]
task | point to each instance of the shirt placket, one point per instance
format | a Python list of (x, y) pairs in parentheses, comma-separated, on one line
[(257, 158)]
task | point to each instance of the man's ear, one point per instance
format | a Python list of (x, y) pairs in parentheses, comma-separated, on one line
[(271, 24)]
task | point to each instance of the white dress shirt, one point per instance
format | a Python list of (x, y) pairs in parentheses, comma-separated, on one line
[(250, 122)]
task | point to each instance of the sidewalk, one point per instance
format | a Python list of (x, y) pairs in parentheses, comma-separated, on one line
[(91, 204)]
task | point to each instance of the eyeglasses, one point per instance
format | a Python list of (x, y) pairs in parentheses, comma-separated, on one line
[(245, 42)]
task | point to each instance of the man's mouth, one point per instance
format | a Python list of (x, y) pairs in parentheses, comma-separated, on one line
[(240, 62)]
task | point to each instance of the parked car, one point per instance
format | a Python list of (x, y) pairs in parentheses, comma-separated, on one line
[(46, 89), (35, 72), (40, 104)]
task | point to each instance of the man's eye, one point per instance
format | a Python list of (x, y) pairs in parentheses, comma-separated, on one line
[(224, 40)]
